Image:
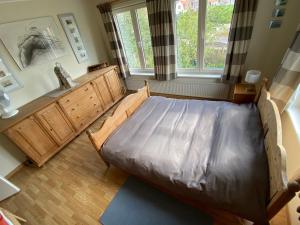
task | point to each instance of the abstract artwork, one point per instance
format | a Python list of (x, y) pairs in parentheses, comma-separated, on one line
[(69, 24), (33, 41), (8, 82)]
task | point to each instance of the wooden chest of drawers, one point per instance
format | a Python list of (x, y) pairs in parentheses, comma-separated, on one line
[(47, 124)]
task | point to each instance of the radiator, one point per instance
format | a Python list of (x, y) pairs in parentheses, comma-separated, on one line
[(194, 87)]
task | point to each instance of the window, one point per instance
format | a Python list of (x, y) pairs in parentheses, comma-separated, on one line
[(202, 28), (133, 27), (294, 110)]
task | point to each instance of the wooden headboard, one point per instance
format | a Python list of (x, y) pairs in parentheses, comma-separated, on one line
[(282, 190), (276, 154)]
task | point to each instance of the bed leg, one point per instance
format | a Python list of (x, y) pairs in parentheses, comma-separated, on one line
[(283, 197), (107, 164), (107, 168)]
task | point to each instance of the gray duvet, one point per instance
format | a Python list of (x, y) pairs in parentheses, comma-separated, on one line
[(210, 151)]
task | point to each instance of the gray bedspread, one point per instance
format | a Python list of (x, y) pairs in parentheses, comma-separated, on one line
[(210, 151)]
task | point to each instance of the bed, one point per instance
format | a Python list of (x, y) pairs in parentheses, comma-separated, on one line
[(219, 154)]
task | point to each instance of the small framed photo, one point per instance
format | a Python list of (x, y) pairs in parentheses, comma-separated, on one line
[(278, 12), (70, 27), (280, 2), (8, 82), (275, 24)]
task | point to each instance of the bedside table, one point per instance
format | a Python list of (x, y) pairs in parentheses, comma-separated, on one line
[(244, 93)]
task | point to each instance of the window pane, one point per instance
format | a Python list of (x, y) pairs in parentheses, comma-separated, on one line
[(217, 26), (128, 39), (187, 32), (145, 36)]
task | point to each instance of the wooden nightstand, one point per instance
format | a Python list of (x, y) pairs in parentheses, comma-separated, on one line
[(244, 93)]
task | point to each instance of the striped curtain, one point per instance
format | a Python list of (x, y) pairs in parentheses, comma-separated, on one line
[(287, 78), (162, 37), (239, 39), (114, 39)]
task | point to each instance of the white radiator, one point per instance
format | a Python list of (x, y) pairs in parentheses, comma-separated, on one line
[(183, 86)]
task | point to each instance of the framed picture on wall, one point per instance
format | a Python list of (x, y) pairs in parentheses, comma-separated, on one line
[(70, 27), (8, 82), (280, 2), (32, 41)]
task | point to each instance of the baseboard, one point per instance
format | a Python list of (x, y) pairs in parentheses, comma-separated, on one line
[(17, 169)]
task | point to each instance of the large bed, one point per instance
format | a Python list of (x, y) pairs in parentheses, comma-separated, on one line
[(219, 154)]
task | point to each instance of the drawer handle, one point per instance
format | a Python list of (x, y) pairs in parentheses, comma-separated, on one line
[(91, 97), (95, 104), (67, 100), (72, 109)]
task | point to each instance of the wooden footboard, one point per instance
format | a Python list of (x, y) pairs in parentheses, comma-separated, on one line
[(124, 110)]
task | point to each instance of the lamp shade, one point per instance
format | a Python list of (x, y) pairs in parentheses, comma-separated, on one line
[(252, 76)]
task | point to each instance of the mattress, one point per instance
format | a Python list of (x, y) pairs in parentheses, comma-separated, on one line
[(210, 151)]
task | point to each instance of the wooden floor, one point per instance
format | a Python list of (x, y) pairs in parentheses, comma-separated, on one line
[(74, 188)]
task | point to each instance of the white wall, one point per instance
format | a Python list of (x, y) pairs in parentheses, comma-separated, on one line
[(268, 46), (41, 79)]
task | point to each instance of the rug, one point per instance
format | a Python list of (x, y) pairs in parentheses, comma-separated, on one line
[(137, 203)]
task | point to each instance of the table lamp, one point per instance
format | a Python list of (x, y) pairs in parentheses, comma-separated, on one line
[(252, 76), (5, 108), (8, 83)]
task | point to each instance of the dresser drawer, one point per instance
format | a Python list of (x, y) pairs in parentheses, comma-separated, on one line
[(81, 106), (76, 96)]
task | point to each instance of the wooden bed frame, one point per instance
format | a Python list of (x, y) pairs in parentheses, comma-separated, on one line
[(281, 190)]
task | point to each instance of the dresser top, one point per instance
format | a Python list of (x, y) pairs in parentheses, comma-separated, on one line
[(41, 102)]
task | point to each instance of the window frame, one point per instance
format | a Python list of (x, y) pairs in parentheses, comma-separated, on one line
[(138, 38), (199, 71), (293, 109)]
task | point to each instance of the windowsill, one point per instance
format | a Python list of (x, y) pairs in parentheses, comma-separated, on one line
[(184, 75), (148, 74), (209, 76)]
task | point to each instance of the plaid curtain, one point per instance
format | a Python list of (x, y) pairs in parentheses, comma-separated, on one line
[(114, 39), (287, 78), (162, 37), (239, 38)]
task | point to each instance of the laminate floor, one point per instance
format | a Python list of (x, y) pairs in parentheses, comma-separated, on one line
[(75, 187)]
